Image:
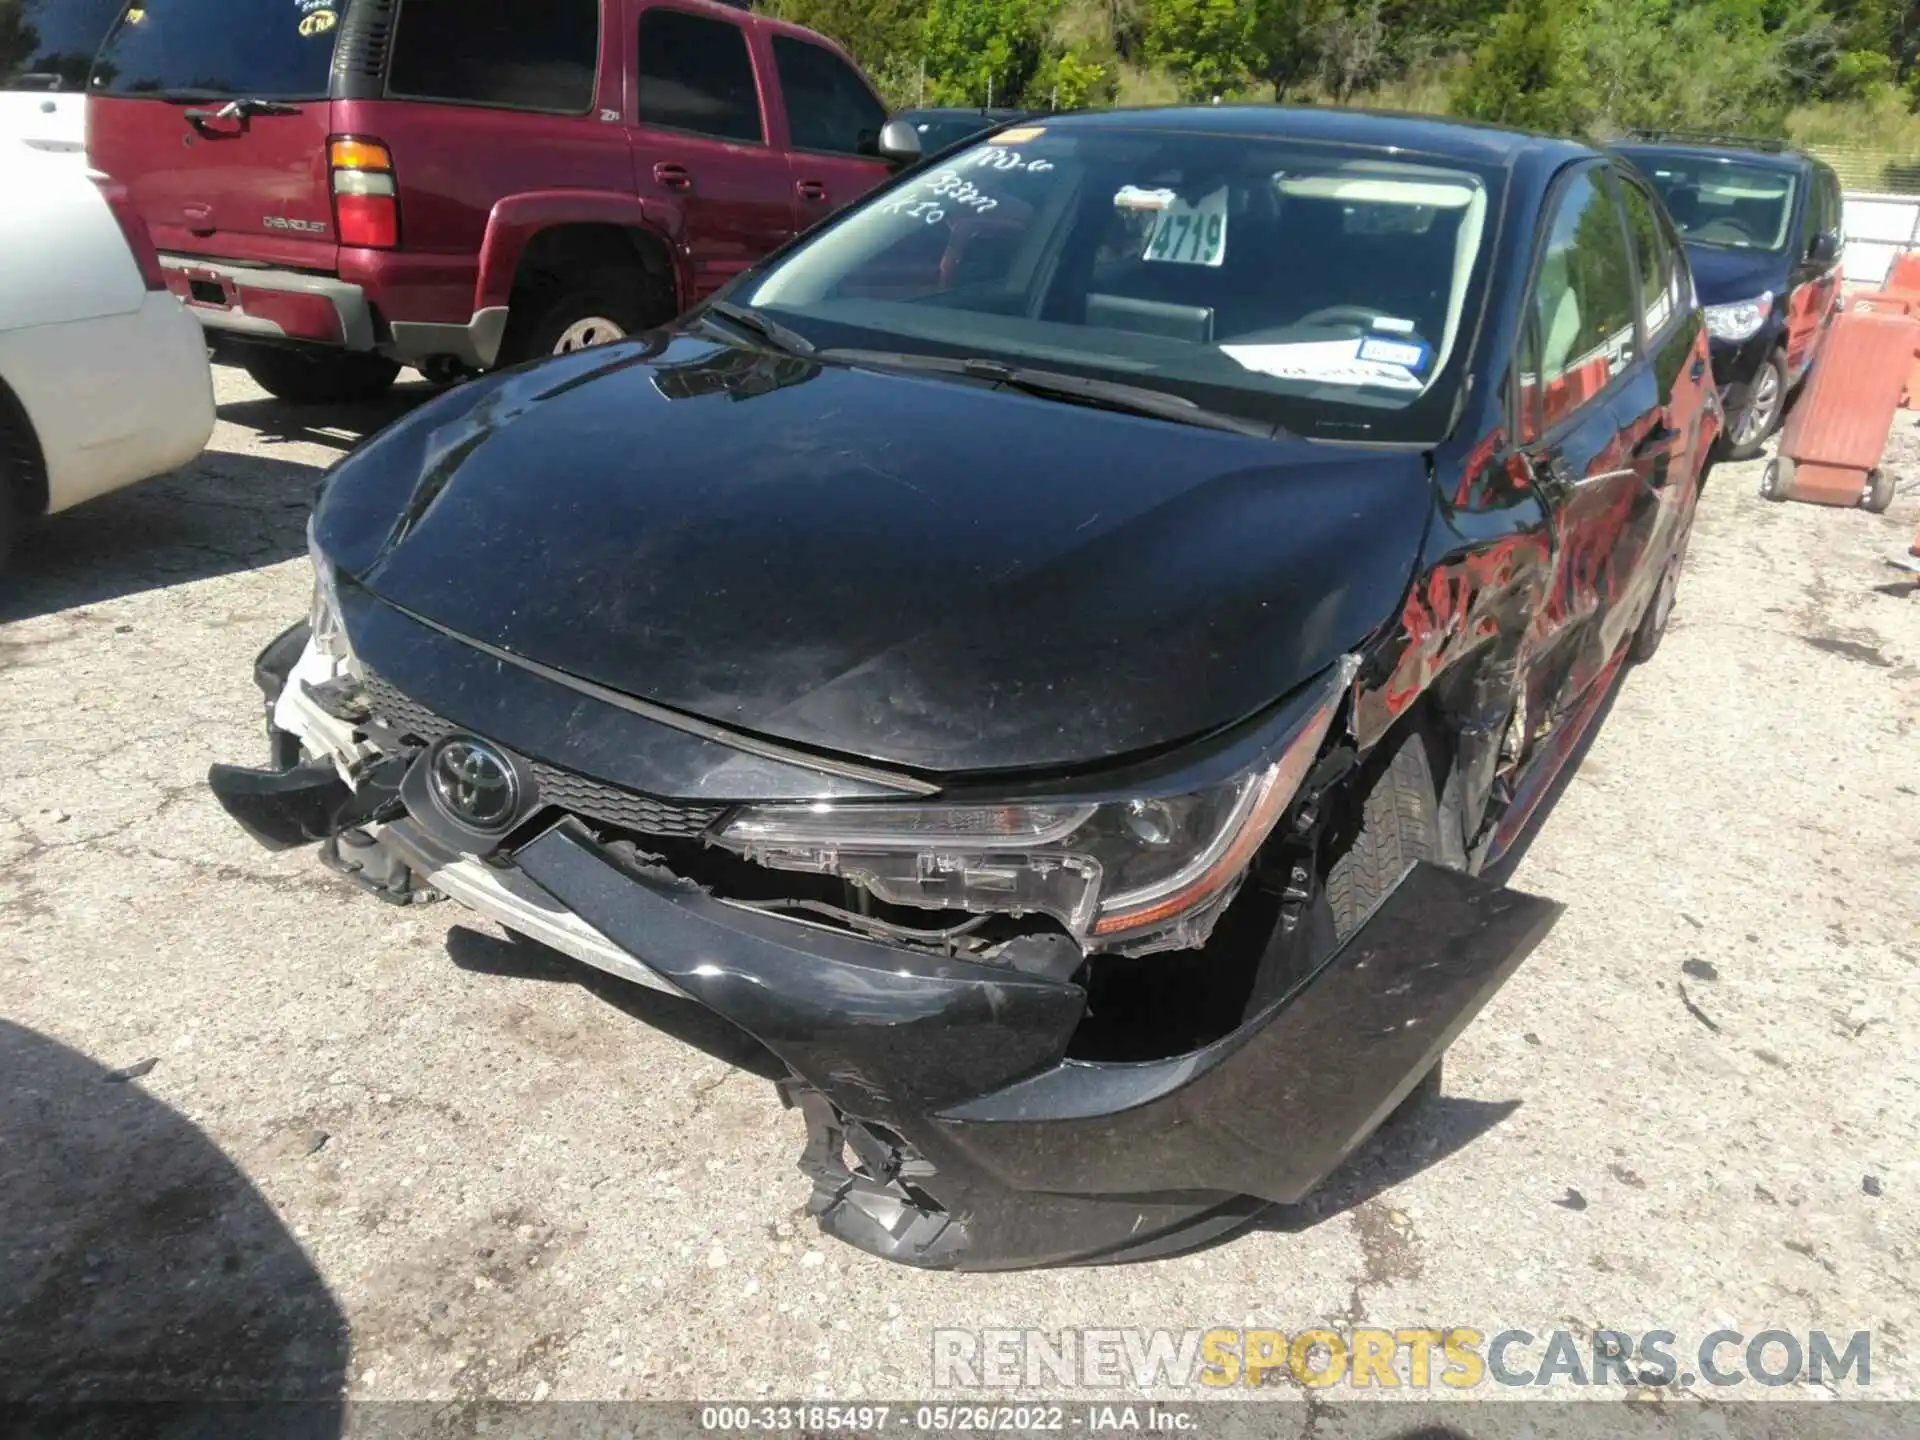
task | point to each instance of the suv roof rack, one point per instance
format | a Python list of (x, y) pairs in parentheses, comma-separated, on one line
[(1764, 144)]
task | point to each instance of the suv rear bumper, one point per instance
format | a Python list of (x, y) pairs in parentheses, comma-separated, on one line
[(289, 305)]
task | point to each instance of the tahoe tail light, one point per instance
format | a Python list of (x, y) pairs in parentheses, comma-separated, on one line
[(139, 238), (366, 207)]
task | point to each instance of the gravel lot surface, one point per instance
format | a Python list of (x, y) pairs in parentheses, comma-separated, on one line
[(382, 1149)]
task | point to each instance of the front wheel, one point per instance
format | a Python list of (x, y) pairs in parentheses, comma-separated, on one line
[(318, 377), (1392, 819), (1766, 403)]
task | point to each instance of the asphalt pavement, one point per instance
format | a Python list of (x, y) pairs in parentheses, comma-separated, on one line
[(383, 1149)]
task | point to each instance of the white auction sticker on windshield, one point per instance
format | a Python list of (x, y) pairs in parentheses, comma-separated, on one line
[(1408, 354), (1190, 232), (1325, 362)]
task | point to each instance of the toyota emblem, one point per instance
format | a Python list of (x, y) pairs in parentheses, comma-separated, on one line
[(476, 784)]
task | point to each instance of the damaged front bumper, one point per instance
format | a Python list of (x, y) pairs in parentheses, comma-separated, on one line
[(948, 1125)]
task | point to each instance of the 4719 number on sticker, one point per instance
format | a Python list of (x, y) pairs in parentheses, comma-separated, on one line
[(1190, 233)]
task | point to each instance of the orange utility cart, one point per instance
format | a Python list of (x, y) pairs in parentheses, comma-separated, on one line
[(1831, 447)]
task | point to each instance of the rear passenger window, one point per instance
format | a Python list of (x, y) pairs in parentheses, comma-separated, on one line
[(1655, 259), (828, 106), (696, 74), (1583, 299), (516, 54)]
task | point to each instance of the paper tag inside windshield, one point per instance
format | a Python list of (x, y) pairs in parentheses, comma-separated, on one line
[(1408, 354), (1190, 232), (1324, 362)]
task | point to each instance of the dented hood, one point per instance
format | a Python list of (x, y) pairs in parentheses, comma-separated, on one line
[(922, 572)]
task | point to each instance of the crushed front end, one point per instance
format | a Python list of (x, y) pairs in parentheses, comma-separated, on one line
[(1071, 1024)]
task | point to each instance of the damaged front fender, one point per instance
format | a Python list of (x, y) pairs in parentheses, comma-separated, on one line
[(948, 1128)]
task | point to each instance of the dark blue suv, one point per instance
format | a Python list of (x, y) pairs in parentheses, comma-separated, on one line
[(1762, 229)]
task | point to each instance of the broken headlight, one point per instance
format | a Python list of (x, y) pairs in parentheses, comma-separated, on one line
[(329, 636), (1145, 873)]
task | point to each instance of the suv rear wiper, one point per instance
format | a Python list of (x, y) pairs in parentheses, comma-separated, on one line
[(1074, 389), (767, 328), (240, 108)]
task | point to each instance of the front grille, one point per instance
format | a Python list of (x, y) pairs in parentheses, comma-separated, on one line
[(581, 794)]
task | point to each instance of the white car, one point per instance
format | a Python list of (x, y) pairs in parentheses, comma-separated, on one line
[(103, 374)]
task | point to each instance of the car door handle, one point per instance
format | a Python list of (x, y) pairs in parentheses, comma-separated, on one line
[(813, 190), (1698, 368), (673, 177)]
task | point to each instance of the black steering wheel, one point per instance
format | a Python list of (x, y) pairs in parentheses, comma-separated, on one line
[(1340, 314)]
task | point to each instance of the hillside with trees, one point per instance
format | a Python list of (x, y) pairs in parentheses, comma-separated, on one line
[(1587, 67)]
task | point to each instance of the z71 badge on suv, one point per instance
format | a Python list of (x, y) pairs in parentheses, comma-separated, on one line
[(461, 184)]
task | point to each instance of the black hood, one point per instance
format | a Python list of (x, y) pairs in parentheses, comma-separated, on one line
[(922, 572), (1724, 275)]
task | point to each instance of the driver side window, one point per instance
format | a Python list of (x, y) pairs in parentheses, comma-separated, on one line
[(1582, 316)]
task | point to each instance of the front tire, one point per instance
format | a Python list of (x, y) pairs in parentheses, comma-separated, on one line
[(1392, 819), (318, 377), (1398, 822), (1766, 403)]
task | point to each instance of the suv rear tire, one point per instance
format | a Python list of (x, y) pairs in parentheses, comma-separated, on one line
[(317, 377), (601, 307)]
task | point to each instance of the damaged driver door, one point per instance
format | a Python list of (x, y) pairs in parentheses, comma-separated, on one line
[(1579, 413)]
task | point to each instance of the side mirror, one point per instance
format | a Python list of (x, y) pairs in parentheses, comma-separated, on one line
[(899, 143), (1824, 250)]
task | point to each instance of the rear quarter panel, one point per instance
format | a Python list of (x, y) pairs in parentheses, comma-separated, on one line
[(64, 256), (112, 398), (454, 163)]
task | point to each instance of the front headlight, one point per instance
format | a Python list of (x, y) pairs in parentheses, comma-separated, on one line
[(1741, 320), (329, 635), (1145, 873)]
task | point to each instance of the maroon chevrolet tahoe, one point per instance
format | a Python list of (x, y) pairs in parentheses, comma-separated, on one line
[(341, 187)]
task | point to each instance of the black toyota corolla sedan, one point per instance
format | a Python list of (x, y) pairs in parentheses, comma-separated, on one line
[(1041, 668)]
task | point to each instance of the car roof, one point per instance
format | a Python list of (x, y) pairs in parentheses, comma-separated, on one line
[(1783, 160), (1375, 129), (944, 112)]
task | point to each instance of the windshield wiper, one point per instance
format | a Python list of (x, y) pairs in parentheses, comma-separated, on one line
[(1074, 389), (240, 108), (765, 327)]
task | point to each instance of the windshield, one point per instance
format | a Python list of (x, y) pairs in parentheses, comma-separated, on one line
[(1327, 289), (49, 44), (205, 49), (1720, 202)]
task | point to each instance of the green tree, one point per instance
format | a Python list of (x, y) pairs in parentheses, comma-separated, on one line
[(981, 50), (1525, 73), (873, 31), (1672, 65), (1208, 45), (1076, 78), (1287, 38)]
